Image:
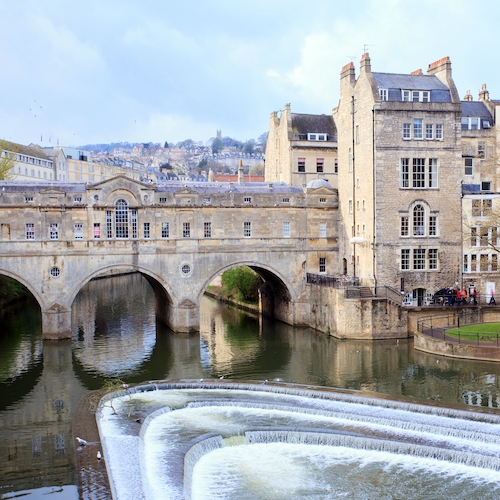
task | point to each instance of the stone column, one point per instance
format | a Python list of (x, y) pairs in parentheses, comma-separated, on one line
[(56, 323)]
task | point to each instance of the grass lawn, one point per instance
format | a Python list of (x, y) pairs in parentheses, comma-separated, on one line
[(486, 331)]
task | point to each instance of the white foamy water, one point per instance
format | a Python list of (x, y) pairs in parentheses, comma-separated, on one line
[(282, 442)]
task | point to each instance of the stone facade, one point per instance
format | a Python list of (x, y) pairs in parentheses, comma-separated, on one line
[(301, 148), (400, 173), (55, 237)]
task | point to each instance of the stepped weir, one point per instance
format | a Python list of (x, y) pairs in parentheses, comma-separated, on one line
[(217, 439)]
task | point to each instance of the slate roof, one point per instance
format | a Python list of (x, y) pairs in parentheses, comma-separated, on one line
[(25, 150), (226, 187), (477, 109), (37, 186), (408, 82), (310, 124)]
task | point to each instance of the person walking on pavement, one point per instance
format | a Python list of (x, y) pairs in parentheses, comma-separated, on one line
[(492, 297)]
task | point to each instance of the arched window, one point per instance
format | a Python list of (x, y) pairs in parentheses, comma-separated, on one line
[(418, 220), (121, 219)]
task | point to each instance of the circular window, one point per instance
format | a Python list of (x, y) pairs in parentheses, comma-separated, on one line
[(55, 272), (186, 269), (146, 197), (96, 197)]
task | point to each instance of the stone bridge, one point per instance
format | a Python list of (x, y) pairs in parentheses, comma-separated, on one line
[(55, 237)]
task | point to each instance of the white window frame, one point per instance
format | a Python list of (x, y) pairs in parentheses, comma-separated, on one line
[(433, 169), (54, 231), (429, 131), (78, 230), (418, 128), (247, 229), (322, 229), (286, 229), (165, 229), (30, 231), (438, 136), (384, 94), (468, 166), (186, 229), (404, 177), (207, 229)]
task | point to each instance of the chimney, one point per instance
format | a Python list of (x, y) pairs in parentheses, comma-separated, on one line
[(348, 73), (241, 178), (416, 72), (365, 66), (468, 96), (484, 95), (442, 69)]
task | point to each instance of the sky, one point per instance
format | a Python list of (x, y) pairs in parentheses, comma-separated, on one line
[(77, 72)]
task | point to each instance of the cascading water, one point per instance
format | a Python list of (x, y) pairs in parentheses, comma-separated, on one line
[(225, 440)]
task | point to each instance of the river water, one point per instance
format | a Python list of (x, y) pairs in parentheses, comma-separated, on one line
[(115, 335)]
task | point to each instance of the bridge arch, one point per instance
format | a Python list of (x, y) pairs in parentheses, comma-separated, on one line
[(277, 295), (36, 293)]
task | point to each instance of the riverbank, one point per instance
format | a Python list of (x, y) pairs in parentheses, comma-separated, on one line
[(245, 306)]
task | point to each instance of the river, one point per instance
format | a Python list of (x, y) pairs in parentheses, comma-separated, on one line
[(115, 336)]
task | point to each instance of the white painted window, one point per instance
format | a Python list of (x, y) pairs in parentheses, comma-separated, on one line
[(165, 230), (54, 231), (30, 231), (78, 230), (186, 230), (322, 229), (286, 230), (384, 94), (247, 229)]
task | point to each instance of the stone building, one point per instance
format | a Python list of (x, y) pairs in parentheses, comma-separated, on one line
[(481, 187), (301, 148), (400, 173)]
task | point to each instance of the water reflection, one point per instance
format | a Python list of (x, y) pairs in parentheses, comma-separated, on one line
[(115, 335)]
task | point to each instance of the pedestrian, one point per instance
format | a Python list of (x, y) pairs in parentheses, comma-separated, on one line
[(459, 297), (492, 297), (464, 296), (474, 296)]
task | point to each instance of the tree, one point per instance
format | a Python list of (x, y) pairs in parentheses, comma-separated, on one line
[(8, 153), (217, 145), (243, 282), (249, 146), (256, 170), (166, 166), (165, 145), (203, 163)]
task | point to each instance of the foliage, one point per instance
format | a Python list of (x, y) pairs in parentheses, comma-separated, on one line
[(7, 160), (108, 387), (187, 144), (166, 145), (248, 147), (165, 166), (11, 289), (243, 283), (217, 145), (203, 164), (257, 169)]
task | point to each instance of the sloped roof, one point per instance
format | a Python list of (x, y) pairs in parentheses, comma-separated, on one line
[(310, 124), (25, 150), (408, 82), (475, 108)]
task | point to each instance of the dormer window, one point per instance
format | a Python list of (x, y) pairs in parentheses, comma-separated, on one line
[(415, 95), (470, 123), (384, 94), (316, 137)]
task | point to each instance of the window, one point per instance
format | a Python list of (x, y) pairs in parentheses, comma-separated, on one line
[(432, 225), (207, 201), (418, 172), (481, 148), (121, 219), (163, 199), (350, 206), (406, 130), (30, 231), (483, 262), (28, 199), (485, 186), (319, 164), (133, 216), (433, 258), (405, 173), (481, 208), (494, 262), (439, 131), (78, 231), (469, 166), (165, 230), (186, 230), (483, 236), (322, 200), (247, 200), (417, 128), (404, 225), (286, 230), (54, 231), (247, 229), (97, 230), (147, 230), (433, 170), (357, 134), (301, 164), (77, 199), (322, 229), (418, 220), (286, 200), (405, 259), (384, 94), (470, 123), (418, 258), (109, 224), (316, 137), (207, 229), (336, 165), (428, 131), (405, 95), (322, 265)]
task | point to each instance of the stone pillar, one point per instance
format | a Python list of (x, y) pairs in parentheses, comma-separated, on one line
[(56, 323), (184, 317)]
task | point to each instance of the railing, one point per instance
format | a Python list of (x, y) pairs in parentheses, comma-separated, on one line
[(436, 327), (332, 281)]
